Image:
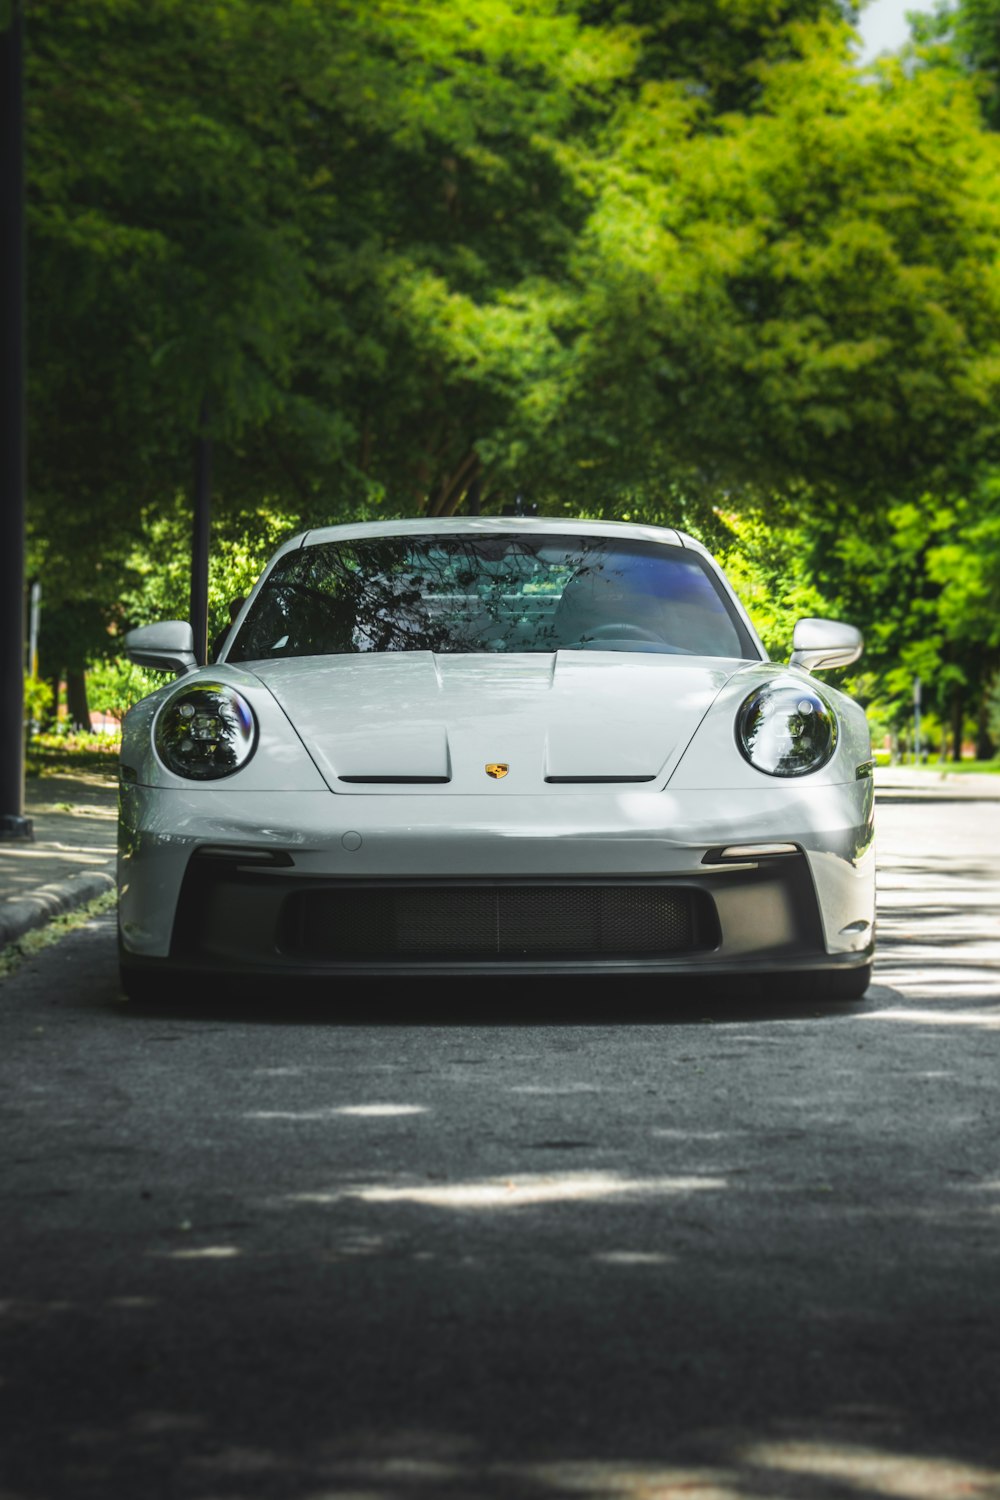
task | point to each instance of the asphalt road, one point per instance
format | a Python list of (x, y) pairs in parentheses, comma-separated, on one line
[(515, 1241)]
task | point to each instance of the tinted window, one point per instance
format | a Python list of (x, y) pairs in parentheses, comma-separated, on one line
[(466, 593)]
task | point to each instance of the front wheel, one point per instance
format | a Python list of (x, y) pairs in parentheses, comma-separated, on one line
[(143, 988), (821, 984), (141, 985), (846, 984)]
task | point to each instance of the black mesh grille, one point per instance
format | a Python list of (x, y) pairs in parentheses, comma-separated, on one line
[(497, 922)]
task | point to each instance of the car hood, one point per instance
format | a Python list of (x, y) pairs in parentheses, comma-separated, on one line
[(412, 721)]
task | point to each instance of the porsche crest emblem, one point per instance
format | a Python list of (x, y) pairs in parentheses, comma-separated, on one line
[(497, 769)]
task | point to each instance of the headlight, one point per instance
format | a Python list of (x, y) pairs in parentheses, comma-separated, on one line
[(205, 732), (786, 730)]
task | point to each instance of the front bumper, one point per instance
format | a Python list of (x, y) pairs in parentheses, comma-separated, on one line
[(210, 879)]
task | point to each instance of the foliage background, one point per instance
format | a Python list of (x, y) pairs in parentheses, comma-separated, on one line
[(684, 263)]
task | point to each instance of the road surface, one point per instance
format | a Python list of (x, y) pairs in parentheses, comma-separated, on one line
[(535, 1241)]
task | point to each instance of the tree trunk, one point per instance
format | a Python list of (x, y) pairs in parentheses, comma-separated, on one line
[(985, 747), (53, 676), (201, 531), (453, 487), (52, 714), (957, 719), (76, 699)]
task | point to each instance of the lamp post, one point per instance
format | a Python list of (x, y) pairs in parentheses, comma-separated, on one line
[(13, 823), (201, 536), (917, 747)]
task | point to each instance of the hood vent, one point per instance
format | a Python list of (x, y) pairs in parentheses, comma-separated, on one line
[(396, 780), (595, 780)]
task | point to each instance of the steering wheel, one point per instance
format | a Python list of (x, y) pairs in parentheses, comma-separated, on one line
[(622, 632)]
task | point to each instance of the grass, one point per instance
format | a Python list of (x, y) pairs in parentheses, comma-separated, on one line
[(39, 938), (964, 767), (951, 767), (55, 754)]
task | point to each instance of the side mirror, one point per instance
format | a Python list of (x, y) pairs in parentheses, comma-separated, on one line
[(817, 644), (167, 647)]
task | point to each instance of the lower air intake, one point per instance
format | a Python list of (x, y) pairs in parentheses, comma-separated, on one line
[(491, 922)]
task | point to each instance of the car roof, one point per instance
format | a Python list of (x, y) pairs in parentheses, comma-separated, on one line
[(487, 525)]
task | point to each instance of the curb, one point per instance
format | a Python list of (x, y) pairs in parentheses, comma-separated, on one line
[(935, 786), (936, 794), (24, 913)]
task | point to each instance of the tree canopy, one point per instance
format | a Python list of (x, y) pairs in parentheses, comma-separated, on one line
[(674, 261)]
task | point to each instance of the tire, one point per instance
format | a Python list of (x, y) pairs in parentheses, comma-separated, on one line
[(846, 984), (819, 984), (140, 987)]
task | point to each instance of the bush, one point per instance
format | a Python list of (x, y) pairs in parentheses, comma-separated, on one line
[(72, 750), (114, 685), (993, 710), (37, 701), (74, 742)]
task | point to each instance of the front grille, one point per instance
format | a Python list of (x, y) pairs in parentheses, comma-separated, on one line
[(497, 922)]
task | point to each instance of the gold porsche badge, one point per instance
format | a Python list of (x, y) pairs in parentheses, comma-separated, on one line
[(497, 769)]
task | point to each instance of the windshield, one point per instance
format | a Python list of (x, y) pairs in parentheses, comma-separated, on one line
[(464, 593)]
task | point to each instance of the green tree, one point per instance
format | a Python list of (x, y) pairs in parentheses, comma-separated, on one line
[(409, 256), (922, 578), (807, 294)]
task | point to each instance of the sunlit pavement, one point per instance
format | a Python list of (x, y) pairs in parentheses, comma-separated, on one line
[(939, 910), (524, 1241)]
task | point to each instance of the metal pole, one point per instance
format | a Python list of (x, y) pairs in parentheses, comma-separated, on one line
[(34, 617), (34, 622), (917, 748), (13, 823), (200, 537)]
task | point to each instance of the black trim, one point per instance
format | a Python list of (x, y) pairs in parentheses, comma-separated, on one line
[(595, 780), (483, 921), (233, 916), (233, 856), (396, 780), (266, 971)]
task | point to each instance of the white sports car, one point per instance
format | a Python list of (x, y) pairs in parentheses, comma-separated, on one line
[(496, 745)]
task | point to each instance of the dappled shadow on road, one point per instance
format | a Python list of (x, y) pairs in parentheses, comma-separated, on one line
[(939, 940), (957, 873), (458, 1403), (570, 1323), (725, 1271), (548, 1313), (786, 1461)]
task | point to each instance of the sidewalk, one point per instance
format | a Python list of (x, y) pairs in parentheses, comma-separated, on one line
[(934, 783), (72, 857)]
